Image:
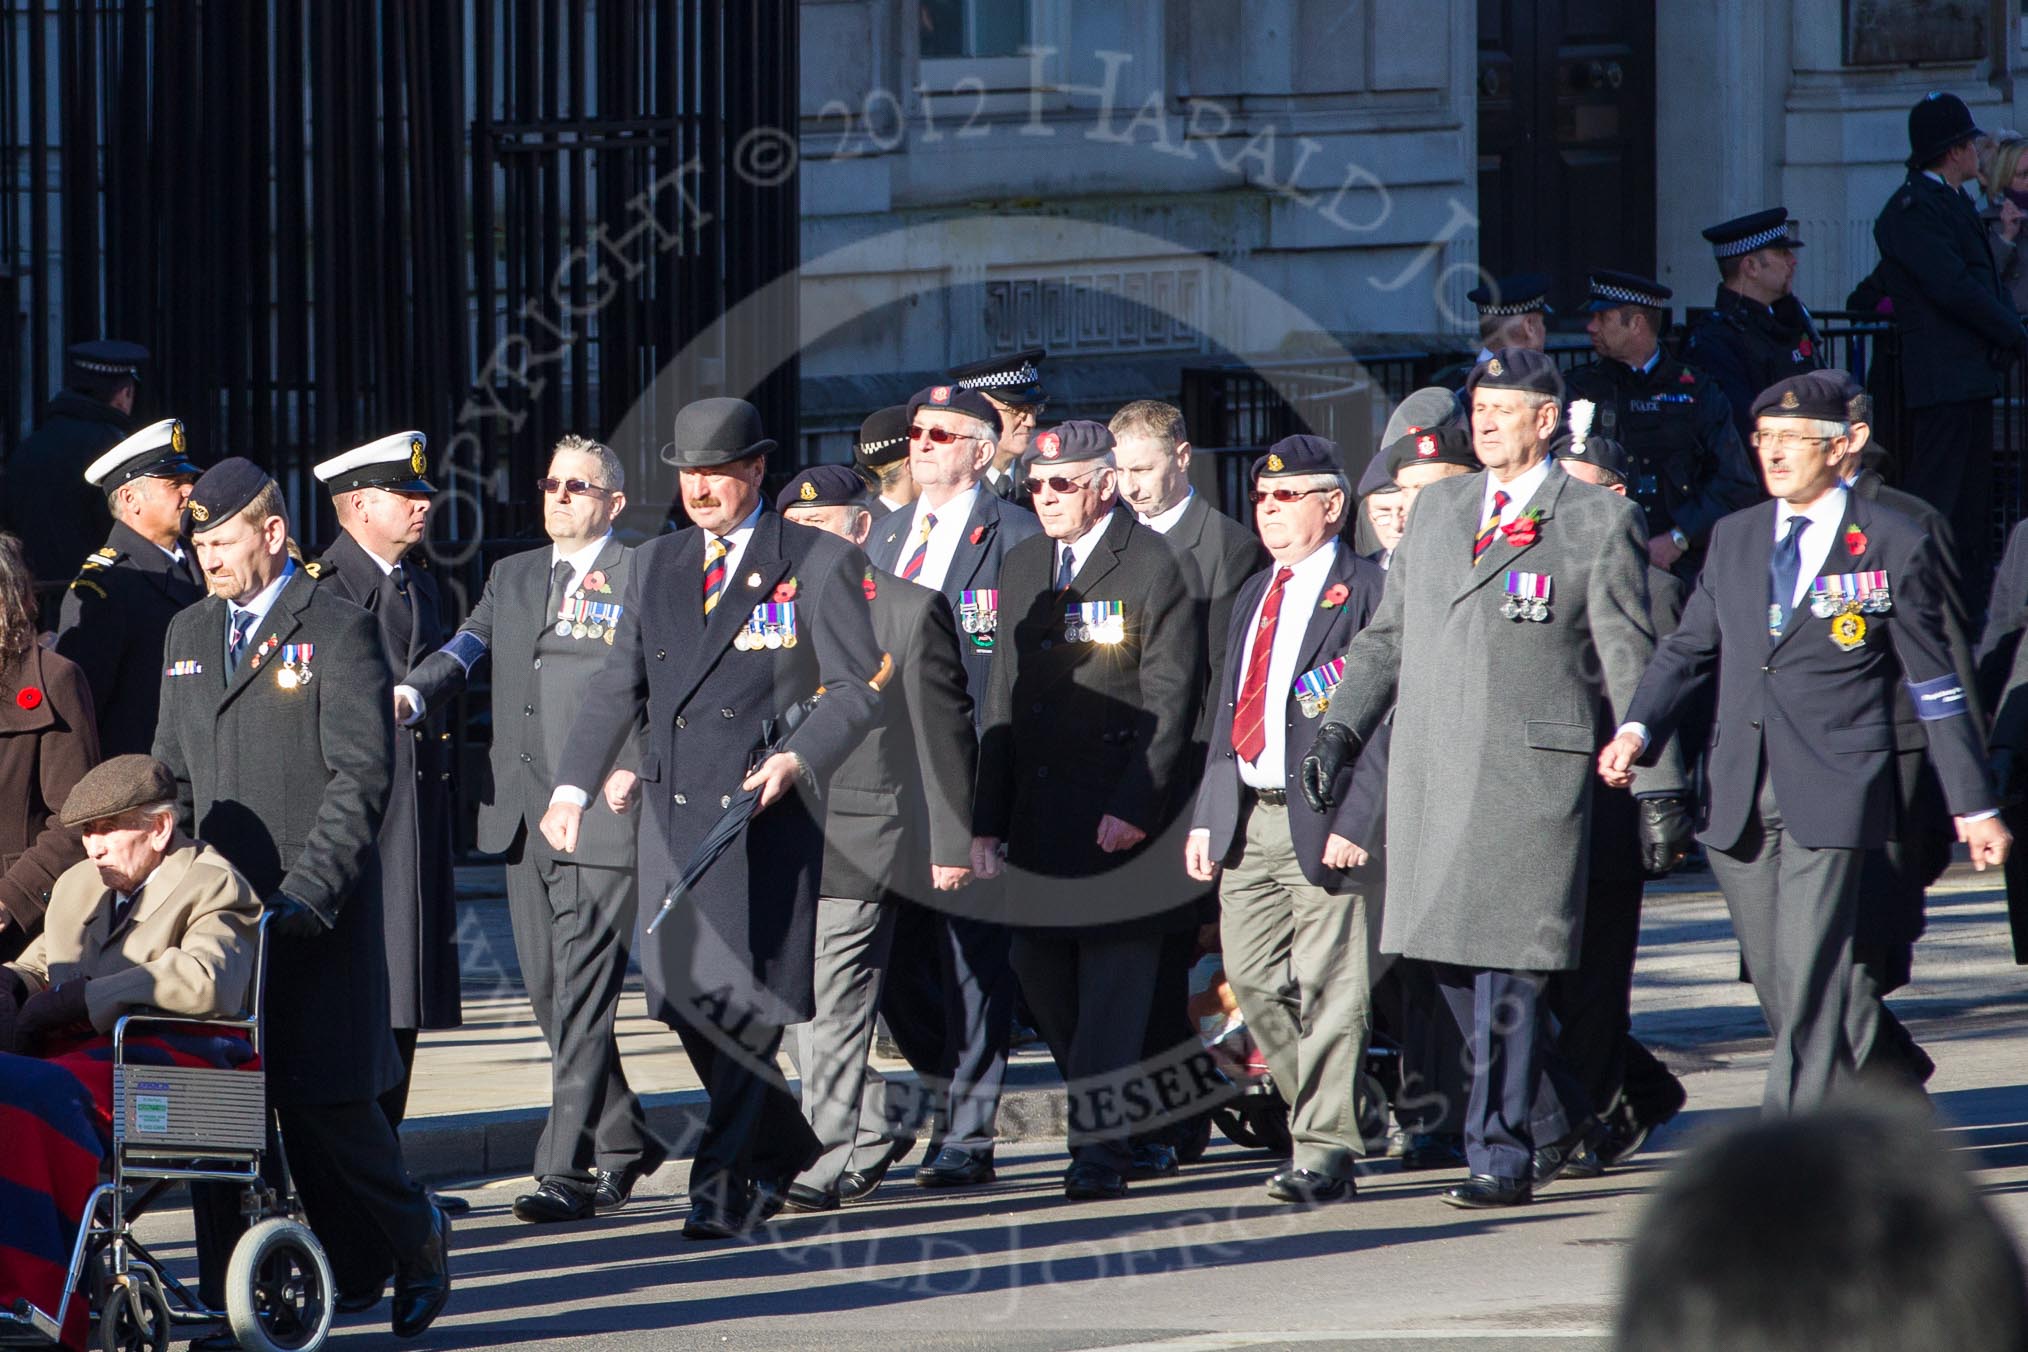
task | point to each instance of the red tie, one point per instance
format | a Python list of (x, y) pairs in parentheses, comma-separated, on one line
[(1249, 721)]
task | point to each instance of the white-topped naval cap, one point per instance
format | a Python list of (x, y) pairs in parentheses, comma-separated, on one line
[(156, 449), (397, 462)]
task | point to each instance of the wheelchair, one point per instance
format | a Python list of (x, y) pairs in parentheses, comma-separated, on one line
[(177, 1124)]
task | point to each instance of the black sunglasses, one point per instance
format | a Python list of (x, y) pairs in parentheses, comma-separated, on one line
[(574, 486), (1260, 495)]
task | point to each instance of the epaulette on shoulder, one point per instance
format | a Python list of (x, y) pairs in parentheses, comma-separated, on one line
[(316, 568), (102, 558), (83, 582)]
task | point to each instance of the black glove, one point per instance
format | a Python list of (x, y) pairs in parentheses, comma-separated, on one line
[(52, 1011), (294, 919), (2001, 763), (9, 1041), (1665, 833), (1329, 755)]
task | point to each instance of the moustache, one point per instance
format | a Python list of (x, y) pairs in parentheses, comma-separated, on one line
[(705, 502)]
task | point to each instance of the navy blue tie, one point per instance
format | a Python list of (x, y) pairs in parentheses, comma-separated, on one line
[(242, 626), (1784, 568), (1065, 572)]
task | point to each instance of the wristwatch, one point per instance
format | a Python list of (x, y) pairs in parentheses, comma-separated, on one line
[(1682, 541)]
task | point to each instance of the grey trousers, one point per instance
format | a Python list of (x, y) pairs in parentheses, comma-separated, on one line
[(1297, 959), (844, 1098), (1793, 909), (573, 926)]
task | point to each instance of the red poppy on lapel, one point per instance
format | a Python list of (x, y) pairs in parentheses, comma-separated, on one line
[(1335, 596), (784, 593), (1855, 541), (868, 586), (1522, 530), (978, 534), (28, 697), (595, 581)]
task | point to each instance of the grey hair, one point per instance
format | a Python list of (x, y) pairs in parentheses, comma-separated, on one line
[(610, 469), (1314, 482), (1818, 427)]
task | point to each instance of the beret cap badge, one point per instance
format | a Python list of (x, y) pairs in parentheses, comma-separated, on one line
[(1049, 445), (1789, 399), (940, 394), (199, 512), (1274, 462), (1494, 368), (809, 491), (1425, 446)]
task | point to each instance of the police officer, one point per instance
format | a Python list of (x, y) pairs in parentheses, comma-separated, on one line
[(277, 723), (881, 457), (1013, 384), (49, 505), (1690, 467), (1513, 312), (382, 497), (1757, 332), (120, 603)]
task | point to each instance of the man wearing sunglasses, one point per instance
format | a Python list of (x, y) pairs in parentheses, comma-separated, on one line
[(950, 996), (548, 618), (1089, 712)]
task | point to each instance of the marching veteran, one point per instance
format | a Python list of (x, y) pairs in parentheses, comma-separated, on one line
[(149, 919)]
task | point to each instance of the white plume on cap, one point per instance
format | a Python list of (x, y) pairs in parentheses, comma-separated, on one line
[(1581, 411)]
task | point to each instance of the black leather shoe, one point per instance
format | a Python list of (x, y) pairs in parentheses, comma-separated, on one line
[(953, 1168), (1307, 1187), (1152, 1159), (1551, 1162), (1628, 1126), (1433, 1150), (802, 1198), (1482, 1191), (553, 1200), (1093, 1183), (365, 1298), (423, 1287), (617, 1185), (856, 1185), (451, 1204), (769, 1200), (1584, 1162)]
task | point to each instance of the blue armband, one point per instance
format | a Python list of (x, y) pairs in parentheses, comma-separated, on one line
[(467, 648), (1940, 698)]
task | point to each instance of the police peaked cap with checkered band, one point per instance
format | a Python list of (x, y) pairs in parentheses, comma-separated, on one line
[(107, 357), (822, 486), (883, 437), (154, 452), (1824, 396), (714, 432), (958, 399), (1012, 379), (1757, 230), (1076, 442), (223, 491), (396, 463), (1517, 368), (1299, 454), (1446, 445), (1523, 293), (1610, 290)]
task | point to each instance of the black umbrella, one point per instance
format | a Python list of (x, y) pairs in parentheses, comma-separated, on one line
[(730, 823)]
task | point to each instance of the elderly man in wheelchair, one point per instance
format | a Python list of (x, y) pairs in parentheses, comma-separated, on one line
[(129, 1061)]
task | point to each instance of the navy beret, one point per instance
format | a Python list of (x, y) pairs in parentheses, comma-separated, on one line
[(1376, 479), (1299, 454), (223, 490), (1070, 443), (1445, 445), (958, 399), (822, 486), (1517, 368), (883, 437), (1822, 395)]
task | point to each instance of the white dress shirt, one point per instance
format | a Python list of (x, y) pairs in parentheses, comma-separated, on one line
[(943, 540), (1520, 491), (580, 561), (1080, 549), (1301, 595), (1164, 522), (1825, 515)]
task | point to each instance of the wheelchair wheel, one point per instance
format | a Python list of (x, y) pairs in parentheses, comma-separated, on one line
[(278, 1291), (134, 1317)]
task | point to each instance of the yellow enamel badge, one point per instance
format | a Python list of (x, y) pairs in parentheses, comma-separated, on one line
[(417, 461), (176, 437), (1275, 463), (1848, 631), (809, 491)]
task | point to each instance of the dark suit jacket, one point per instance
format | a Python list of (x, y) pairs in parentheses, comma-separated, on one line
[(47, 742), (1362, 788), (48, 503), (1957, 321), (1078, 730), (744, 936), (112, 623), (994, 526), (2006, 617), (1822, 716), (290, 785), (534, 705), (903, 798), (1223, 554), (418, 887)]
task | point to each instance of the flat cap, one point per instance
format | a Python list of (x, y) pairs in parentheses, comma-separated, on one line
[(1446, 445), (1603, 452), (397, 463), (1012, 379), (1299, 454), (115, 786), (108, 357), (1609, 290), (1517, 368), (883, 437), (1756, 230), (1376, 479), (714, 432), (223, 490), (1520, 294), (154, 452), (1072, 443), (1430, 406), (1820, 395), (957, 399), (822, 486)]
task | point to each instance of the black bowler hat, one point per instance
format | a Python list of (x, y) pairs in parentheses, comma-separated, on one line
[(1517, 368), (107, 357), (154, 452), (397, 463), (883, 437), (822, 486), (1936, 124), (223, 490), (1609, 290), (1012, 379), (1070, 443), (1299, 454), (1603, 452), (714, 432), (1446, 445), (1823, 395), (1523, 293), (958, 399), (1756, 230)]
